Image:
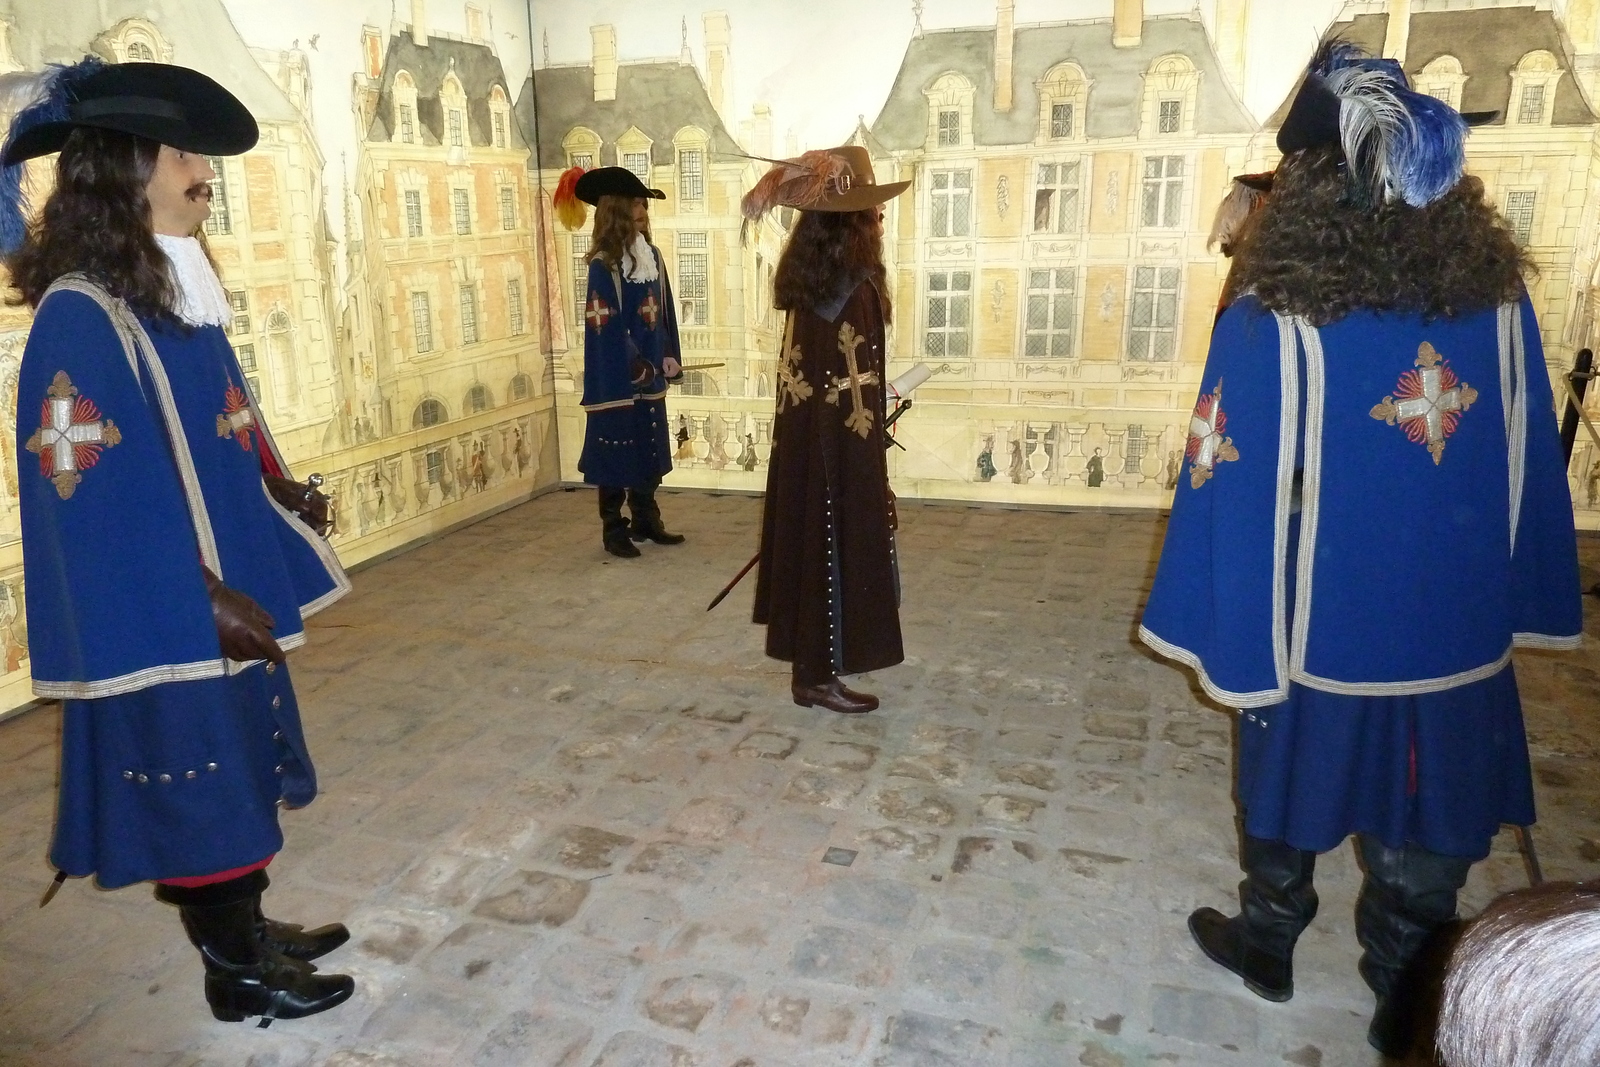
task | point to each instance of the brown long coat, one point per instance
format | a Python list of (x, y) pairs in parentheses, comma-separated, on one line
[(826, 588)]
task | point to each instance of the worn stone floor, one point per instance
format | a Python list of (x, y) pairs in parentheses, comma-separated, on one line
[(575, 820)]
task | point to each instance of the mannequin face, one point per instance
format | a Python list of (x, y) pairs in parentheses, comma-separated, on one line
[(641, 216), (179, 192)]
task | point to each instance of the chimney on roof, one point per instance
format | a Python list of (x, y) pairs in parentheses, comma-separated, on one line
[(419, 23), (372, 51), (1127, 23), (604, 39), (1399, 32), (719, 59), (1232, 22), (1005, 18), (1583, 22), (761, 130)]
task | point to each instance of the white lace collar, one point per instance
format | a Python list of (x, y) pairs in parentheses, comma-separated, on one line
[(639, 261), (201, 299)]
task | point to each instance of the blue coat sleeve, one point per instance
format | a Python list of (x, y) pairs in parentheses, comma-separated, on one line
[(1547, 608), (1211, 606), (606, 382), (116, 598)]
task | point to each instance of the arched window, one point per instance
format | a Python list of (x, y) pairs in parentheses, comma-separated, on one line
[(1063, 100), (949, 111), (430, 412), (689, 147), (453, 99), (1170, 88), (582, 146), (138, 50), (1442, 79), (521, 387), (477, 399), (404, 129), (499, 118), (1533, 89)]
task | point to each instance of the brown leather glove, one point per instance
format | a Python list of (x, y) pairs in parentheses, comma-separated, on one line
[(305, 500), (243, 627)]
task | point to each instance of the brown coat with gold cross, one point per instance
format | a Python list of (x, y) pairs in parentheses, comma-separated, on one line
[(826, 588)]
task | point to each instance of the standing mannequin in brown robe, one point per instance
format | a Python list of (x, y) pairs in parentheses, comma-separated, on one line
[(827, 589)]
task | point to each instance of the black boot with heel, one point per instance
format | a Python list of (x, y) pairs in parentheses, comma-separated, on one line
[(1277, 903), (244, 976), (613, 527)]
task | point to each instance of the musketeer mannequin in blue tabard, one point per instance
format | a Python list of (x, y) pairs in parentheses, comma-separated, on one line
[(630, 354), (1374, 513), (167, 562)]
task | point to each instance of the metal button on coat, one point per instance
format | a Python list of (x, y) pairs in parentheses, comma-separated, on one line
[(191, 774), (277, 702), (211, 766), (271, 667)]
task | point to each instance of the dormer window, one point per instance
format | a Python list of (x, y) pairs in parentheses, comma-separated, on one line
[(405, 108), (1063, 100), (499, 118), (1533, 89), (454, 101), (1171, 86), (582, 146), (949, 111), (1170, 119), (1442, 79)]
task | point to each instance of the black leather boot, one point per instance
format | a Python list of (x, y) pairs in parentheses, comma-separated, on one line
[(244, 977), (1407, 904), (1277, 903), (613, 527), (647, 518), (294, 940)]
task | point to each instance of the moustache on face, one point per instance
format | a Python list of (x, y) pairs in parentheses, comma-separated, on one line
[(198, 190)]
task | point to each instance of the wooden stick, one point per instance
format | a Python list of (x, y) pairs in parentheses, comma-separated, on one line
[(736, 579)]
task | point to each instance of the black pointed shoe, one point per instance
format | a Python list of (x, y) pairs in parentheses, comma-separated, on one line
[(1225, 941), (295, 941), (655, 532)]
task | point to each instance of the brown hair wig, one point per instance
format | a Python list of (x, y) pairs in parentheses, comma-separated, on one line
[(614, 229), (825, 247), (1309, 251), (97, 221)]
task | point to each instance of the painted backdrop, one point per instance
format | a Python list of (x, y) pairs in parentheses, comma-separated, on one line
[(406, 310)]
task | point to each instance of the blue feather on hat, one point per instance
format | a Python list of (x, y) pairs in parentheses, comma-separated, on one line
[(49, 95)]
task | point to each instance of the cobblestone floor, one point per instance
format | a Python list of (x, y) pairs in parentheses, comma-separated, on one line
[(575, 820)]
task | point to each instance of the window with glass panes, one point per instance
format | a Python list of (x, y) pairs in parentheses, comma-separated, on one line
[(583, 159), (1052, 313), (457, 128), (499, 129), (221, 220), (1055, 198), (694, 281), (694, 384), (435, 467), (413, 213), (477, 399), (580, 275), (239, 303), (1153, 314), (140, 51), (949, 127), (1136, 446), (1163, 191), (247, 357), (639, 163), (1519, 213), (408, 124), (521, 387), (1060, 120), (462, 209), (952, 203), (691, 175), (468, 299), (429, 413), (422, 322), (508, 208), (949, 313), (1530, 108), (1170, 117), (514, 304)]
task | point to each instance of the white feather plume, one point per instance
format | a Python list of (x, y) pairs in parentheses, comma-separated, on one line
[(1373, 124)]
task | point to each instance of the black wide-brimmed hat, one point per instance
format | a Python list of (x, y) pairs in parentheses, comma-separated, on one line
[(168, 104), (613, 181)]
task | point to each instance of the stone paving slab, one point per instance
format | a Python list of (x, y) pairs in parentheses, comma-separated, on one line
[(574, 821)]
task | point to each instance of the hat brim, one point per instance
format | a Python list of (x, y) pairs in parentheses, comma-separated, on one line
[(858, 198), (168, 104), (613, 181)]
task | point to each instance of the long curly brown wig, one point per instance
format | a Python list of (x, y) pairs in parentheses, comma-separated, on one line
[(825, 247), (97, 221), (614, 229), (1308, 251)]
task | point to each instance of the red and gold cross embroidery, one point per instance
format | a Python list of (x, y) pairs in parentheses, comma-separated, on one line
[(1428, 402), (598, 312), (1207, 446), (236, 418), (70, 436), (650, 310)]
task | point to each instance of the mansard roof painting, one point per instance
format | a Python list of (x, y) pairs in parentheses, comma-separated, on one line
[(658, 98), (475, 66), (1489, 43), (1115, 75), (199, 32)]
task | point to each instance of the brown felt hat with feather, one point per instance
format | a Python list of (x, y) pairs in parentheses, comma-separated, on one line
[(829, 179)]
